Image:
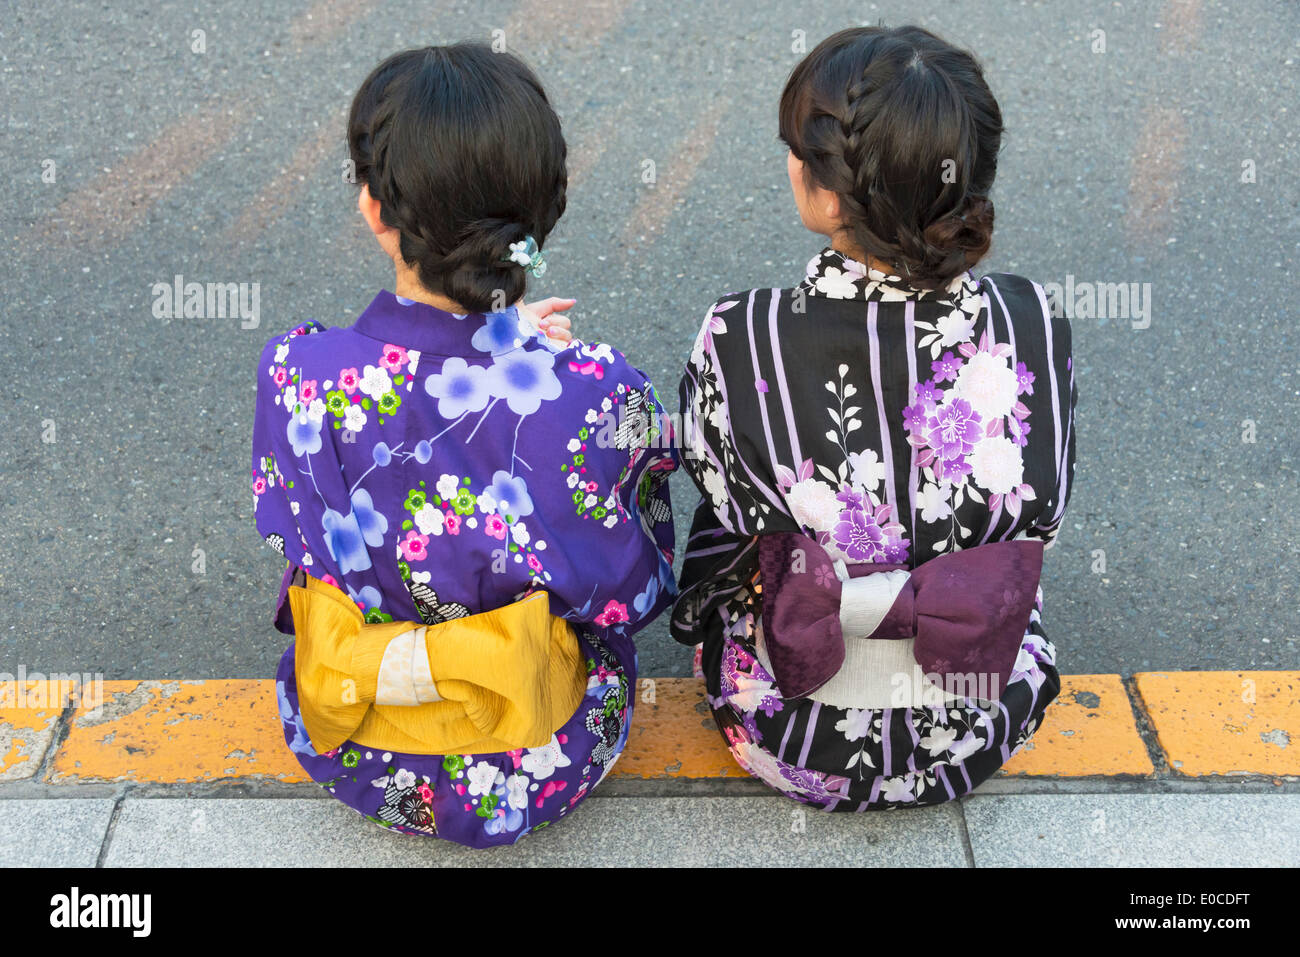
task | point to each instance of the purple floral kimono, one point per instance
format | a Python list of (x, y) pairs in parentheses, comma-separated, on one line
[(434, 465), (892, 425)]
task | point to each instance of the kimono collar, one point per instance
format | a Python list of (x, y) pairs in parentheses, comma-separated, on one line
[(416, 325), (832, 275)]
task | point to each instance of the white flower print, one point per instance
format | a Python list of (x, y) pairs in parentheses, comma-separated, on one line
[(447, 486), (964, 748), (290, 398), (899, 789), (487, 502), (517, 791), (997, 464), (716, 486), (542, 762), (834, 284), (988, 384), (316, 411), (868, 471), (955, 327), (750, 693), (520, 534), (429, 519), (375, 382), (573, 479), (939, 739), (404, 778), (933, 502), (282, 352), (482, 777), (611, 521), (762, 765), (354, 418), (855, 724), (813, 503), (573, 446)]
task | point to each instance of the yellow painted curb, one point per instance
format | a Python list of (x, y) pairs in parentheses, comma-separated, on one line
[(173, 732), (1088, 730), (26, 732), (177, 732), (673, 734), (1225, 722)]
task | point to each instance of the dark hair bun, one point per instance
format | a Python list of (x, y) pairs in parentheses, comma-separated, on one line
[(464, 153), (902, 126)]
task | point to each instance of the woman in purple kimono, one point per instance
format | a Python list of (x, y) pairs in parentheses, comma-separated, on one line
[(883, 449), (442, 458)]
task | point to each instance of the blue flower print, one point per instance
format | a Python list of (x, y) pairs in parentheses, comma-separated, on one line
[(511, 495), (347, 536), (524, 379), (303, 432), (459, 388), (301, 744), (503, 332)]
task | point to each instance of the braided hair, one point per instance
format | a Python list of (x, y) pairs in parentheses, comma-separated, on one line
[(903, 128), (464, 153)]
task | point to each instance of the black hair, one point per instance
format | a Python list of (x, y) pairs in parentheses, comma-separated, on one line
[(902, 126), (464, 153)]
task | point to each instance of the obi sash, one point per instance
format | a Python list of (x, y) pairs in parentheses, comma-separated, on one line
[(964, 614), (497, 681)]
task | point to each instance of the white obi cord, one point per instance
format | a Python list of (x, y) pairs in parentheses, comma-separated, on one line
[(404, 677), (877, 672)]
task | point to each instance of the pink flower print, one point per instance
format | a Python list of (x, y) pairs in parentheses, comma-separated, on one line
[(534, 564), (426, 793), (414, 548), (946, 369), (615, 613), (591, 487), (259, 485), (452, 524), (330, 580), (349, 380), (280, 377), (516, 756), (307, 391), (495, 526), (394, 358)]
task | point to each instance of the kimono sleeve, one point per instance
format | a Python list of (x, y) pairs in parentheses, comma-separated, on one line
[(1049, 524), (273, 511), (708, 447)]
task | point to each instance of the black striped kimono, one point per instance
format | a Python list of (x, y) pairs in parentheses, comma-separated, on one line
[(892, 425)]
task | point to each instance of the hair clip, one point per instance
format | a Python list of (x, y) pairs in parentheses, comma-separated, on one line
[(526, 254)]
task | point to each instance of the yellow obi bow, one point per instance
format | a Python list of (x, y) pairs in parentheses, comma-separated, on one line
[(496, 681)]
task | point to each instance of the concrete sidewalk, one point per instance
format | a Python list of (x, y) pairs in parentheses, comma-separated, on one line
[(1163, 769)]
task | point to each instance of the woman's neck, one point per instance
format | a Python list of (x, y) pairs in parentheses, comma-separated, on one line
[(408, 286), (845, 246)]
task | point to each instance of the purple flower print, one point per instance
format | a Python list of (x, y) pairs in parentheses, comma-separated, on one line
[(858, 536), (953, 429), (914, 417), (928, 393), (946, 369), (853, 499), (524, 379), (1025, 378), (1019, 430), (459, 388)]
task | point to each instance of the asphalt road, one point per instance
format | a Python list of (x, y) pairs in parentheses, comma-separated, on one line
[(124, 452)]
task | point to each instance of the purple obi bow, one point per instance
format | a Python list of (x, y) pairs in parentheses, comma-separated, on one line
[(967, 610)]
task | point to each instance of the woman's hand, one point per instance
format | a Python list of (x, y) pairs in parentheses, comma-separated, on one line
[(544, 314)]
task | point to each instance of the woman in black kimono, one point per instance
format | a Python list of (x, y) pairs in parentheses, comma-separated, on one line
[(883, 450)]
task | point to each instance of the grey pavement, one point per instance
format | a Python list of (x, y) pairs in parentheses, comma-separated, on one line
[(1119, 166), (996, 830)]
